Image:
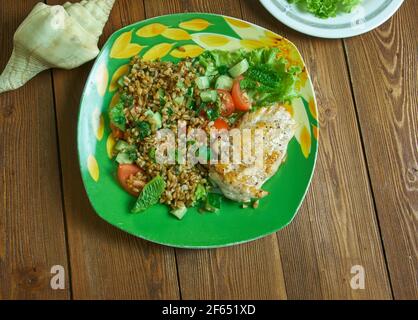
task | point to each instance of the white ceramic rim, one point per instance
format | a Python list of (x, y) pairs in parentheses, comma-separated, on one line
[(332, 33)]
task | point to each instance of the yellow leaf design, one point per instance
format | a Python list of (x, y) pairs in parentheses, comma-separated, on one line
[(305, 142), (252, 44), (312, 108), (158, 51), (315, 131), (176, 34), (93, 167), (109, 145), (214, 40), (303, 77), (188, 50), (195, 25), (115, 100), (303, 132), (151, 30), (123, 48), (98, 124), (123, 70), (238, 23), (102, 77)]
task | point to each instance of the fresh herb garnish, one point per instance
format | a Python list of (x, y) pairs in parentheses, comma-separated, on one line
[(117, 116), (127, 99), (150, 194), (326, 8), (152, 154), (144, 129)]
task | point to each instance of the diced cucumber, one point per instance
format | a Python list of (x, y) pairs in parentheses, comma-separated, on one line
[(180, 84), (203, 83), (121, 145), (126, 157), (209, 95), (179, 100), (211, 70), (224, 82), (239, 68), (121, 81), (190, 103), (179, 213), (123, 158), (154, 119)]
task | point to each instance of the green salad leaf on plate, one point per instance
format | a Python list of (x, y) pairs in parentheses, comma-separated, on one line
[(326, 8), (150, 194)]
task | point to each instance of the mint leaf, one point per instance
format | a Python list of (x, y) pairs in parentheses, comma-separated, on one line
[(150, 194), (117, 116)]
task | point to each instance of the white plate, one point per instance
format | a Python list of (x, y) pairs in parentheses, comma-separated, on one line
[(368, 15)]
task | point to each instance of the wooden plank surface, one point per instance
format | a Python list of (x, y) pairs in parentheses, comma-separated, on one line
[(249, 271), (383, 66), (336, 227), (363, 195), (31, 220), (106, 263)]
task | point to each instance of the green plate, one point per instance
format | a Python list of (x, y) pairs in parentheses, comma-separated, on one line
[(160, 37)]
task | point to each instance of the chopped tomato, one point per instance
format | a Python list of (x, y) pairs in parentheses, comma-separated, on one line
[(116, 132), (124, 172), (228, 106), (241, 100), (220, 124)]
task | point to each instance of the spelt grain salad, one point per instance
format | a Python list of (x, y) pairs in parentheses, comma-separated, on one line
[(217, 91)]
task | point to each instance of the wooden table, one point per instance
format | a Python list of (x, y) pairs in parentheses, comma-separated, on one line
[(361, 208)]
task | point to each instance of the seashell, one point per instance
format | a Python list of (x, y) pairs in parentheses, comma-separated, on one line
[(55, 37)]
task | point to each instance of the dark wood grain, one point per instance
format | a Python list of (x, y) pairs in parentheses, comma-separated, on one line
[(336, 227), (250, 271), (105, 263), (31, 220), (364, 191), (383, 66)]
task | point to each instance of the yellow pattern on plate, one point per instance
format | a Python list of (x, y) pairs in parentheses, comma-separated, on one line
[(312, 108), (102, 77), (252, 44), (121, 71), (98, 123), (195, 25), (158, 51), (238, 23), (315, 131), (188, 50), (93, 167), (303, 132), (110, 142), (214, 40), (305, 142), (123, 48), (176, 34), (151, 30), (115, 100)]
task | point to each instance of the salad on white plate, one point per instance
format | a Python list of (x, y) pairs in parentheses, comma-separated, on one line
[(332, 18)]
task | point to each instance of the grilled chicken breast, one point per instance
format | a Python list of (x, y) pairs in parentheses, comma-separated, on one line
[(242, 181)]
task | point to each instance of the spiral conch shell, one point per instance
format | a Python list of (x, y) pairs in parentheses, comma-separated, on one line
[(55, 37)]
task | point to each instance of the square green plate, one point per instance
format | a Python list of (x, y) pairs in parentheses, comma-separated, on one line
[(159, 38)]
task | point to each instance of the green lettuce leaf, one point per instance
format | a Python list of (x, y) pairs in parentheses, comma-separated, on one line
[(150, 194), (326, 8)]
